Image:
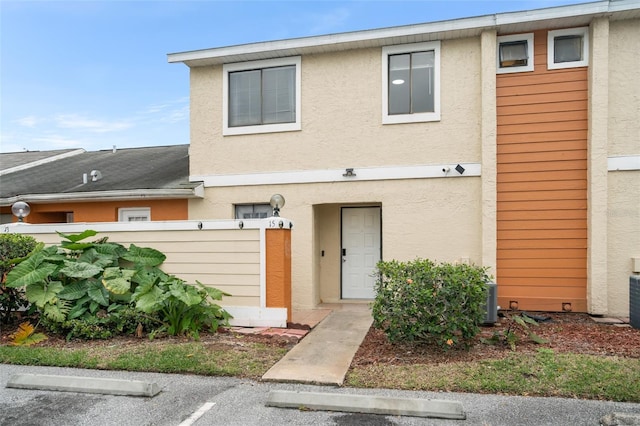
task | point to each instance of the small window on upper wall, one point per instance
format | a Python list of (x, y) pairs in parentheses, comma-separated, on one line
[(139, 214), (411, 83), (515, 53), (568, 48), (261, 96)]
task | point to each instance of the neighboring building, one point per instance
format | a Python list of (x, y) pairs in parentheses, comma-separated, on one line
[(101, 186), (510, 141)]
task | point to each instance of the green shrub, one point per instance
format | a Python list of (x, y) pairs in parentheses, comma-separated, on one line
[(424, 302), (124, 321), (13, 247)]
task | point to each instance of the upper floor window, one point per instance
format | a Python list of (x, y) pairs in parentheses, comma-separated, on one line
[(411, 83), (568, 48), (261, 96), (515, 53)]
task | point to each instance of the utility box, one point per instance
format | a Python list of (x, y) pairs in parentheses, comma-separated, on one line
[(634, 301), (491, 306)]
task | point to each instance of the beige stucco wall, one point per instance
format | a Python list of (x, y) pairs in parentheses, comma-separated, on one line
[(623, 218), (341, 119), (438, 219)]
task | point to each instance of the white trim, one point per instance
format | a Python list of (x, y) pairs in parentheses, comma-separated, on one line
[(336, 175), (528, 37), (169, 225), (623, 162), (551, 35), (264, 128), (552, 17), (417, 117), (250, 316), (263, 268)]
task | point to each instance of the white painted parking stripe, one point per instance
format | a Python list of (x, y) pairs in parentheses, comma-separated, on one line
[(195, 416)]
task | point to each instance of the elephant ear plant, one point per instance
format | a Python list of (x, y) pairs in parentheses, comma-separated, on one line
[(95, 289)]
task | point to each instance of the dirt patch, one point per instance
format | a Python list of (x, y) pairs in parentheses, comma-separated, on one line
[(565, 332)]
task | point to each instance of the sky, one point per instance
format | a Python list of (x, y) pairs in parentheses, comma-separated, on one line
[(94, 74)]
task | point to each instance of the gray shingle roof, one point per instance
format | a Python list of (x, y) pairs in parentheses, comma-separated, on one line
[(131, 169)]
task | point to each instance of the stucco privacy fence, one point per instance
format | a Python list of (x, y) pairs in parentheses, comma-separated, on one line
[(249, 259)]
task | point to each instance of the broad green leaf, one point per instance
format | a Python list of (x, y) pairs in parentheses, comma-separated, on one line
[(56, 312), (116, 280), (144, 256), (32, 270), (80, 269), (74, 291), (212, 292), (151, 300), (529, 320), (185, 293), (113, 250), (42, 294), (78, 237), (93, 257), (77, 311), (520, 321), (98, 294)]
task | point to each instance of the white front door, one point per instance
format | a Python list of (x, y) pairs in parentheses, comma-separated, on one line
[(360, 251)]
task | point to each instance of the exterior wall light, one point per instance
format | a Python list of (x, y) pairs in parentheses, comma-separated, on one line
[(20, 210), (348, 173), (460, 169), (277, 202)]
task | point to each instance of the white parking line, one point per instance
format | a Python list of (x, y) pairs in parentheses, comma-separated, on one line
[(195, 416)]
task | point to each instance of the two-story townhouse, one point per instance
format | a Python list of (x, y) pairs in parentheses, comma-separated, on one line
[(510, 141)]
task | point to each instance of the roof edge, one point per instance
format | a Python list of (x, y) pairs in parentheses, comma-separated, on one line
[(294, 46), (136, 194)]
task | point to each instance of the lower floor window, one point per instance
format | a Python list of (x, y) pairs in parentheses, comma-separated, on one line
[(253, 211)]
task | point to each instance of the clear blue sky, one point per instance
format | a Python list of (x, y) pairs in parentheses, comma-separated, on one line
[(93, 74)]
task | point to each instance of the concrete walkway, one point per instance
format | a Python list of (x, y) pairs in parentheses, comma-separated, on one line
[(325, 354)]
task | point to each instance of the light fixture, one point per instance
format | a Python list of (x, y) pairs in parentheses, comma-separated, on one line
[(459, 169), (277, 202), (397, 81), (20, 210), (348, 173)]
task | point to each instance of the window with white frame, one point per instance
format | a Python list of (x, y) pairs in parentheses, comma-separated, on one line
[(261, 96), (514, 53), (568, 48), (411, 83), (138, 214), (253, 211)]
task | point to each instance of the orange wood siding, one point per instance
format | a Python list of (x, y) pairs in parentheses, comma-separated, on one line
[(105, 211), (542, 186)]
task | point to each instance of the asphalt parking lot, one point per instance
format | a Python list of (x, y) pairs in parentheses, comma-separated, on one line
[(186, 400)]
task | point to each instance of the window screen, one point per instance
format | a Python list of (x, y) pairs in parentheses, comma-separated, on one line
[(567, 48)]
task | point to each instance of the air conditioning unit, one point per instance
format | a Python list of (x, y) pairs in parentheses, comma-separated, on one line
[(491, 306)]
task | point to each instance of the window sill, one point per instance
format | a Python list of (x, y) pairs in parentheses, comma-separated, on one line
[(411, 118), (266, 128)]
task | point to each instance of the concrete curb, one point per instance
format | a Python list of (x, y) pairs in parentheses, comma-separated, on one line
[(84, 385), (619, 419), (367, 404)]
